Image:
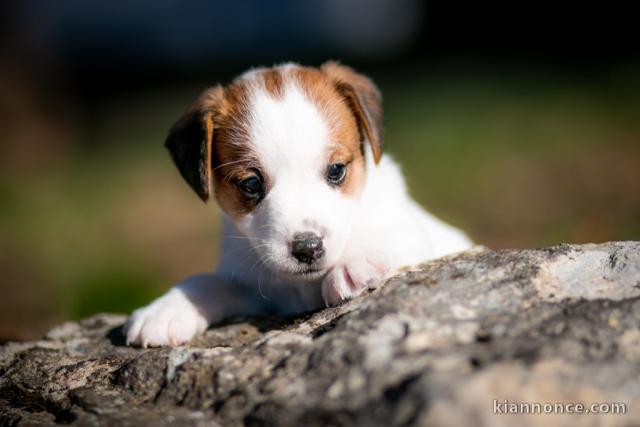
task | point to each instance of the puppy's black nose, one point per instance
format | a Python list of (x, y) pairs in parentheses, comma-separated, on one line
[(307, 247)]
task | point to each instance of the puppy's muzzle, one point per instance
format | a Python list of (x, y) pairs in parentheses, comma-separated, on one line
[(307, 247)]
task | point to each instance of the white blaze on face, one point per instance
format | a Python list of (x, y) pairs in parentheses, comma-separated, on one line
[(291, 138)]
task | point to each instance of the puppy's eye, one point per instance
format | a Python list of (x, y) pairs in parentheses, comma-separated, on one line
[(336, 173), (252, 187)]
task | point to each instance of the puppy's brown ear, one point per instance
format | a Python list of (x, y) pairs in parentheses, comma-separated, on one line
[(190, 141), (364, 100)]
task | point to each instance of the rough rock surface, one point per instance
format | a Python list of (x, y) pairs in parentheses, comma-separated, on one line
[(435, 346)]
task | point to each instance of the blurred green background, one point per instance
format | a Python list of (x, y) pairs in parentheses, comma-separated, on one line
[(522, 149)]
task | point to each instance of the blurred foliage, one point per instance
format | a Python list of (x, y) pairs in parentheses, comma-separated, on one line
[(518, 160)]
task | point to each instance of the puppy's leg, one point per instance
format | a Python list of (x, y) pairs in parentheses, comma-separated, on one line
[(187, 310), (359, 268)]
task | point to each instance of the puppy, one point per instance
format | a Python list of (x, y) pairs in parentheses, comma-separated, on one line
[(314, 211)]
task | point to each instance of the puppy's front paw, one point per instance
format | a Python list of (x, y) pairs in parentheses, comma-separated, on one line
[(352, 276), (170, 320)]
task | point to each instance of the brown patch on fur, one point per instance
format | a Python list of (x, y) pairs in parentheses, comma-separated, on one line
[(273, 82), (364, 100), (233, 160), (345, 135), (210, 144)]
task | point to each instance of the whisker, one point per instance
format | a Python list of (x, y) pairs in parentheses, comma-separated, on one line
[(245, 238), (260, 285), (228, 163)]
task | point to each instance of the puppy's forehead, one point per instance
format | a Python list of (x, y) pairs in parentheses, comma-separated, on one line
[(293, 115)]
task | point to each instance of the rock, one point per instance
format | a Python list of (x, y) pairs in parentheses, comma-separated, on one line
[(451, 342)]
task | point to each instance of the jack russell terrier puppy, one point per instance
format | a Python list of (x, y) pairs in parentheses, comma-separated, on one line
[(315, 213)]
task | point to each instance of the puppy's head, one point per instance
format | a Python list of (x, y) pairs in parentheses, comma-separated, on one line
[(284, 150)]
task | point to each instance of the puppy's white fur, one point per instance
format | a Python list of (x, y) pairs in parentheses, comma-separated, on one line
[(366, 236)]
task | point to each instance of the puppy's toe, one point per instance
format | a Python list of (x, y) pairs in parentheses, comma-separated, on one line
[(368, 270), (336, 287), (133, 326), (356, 274), (170, 320)]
